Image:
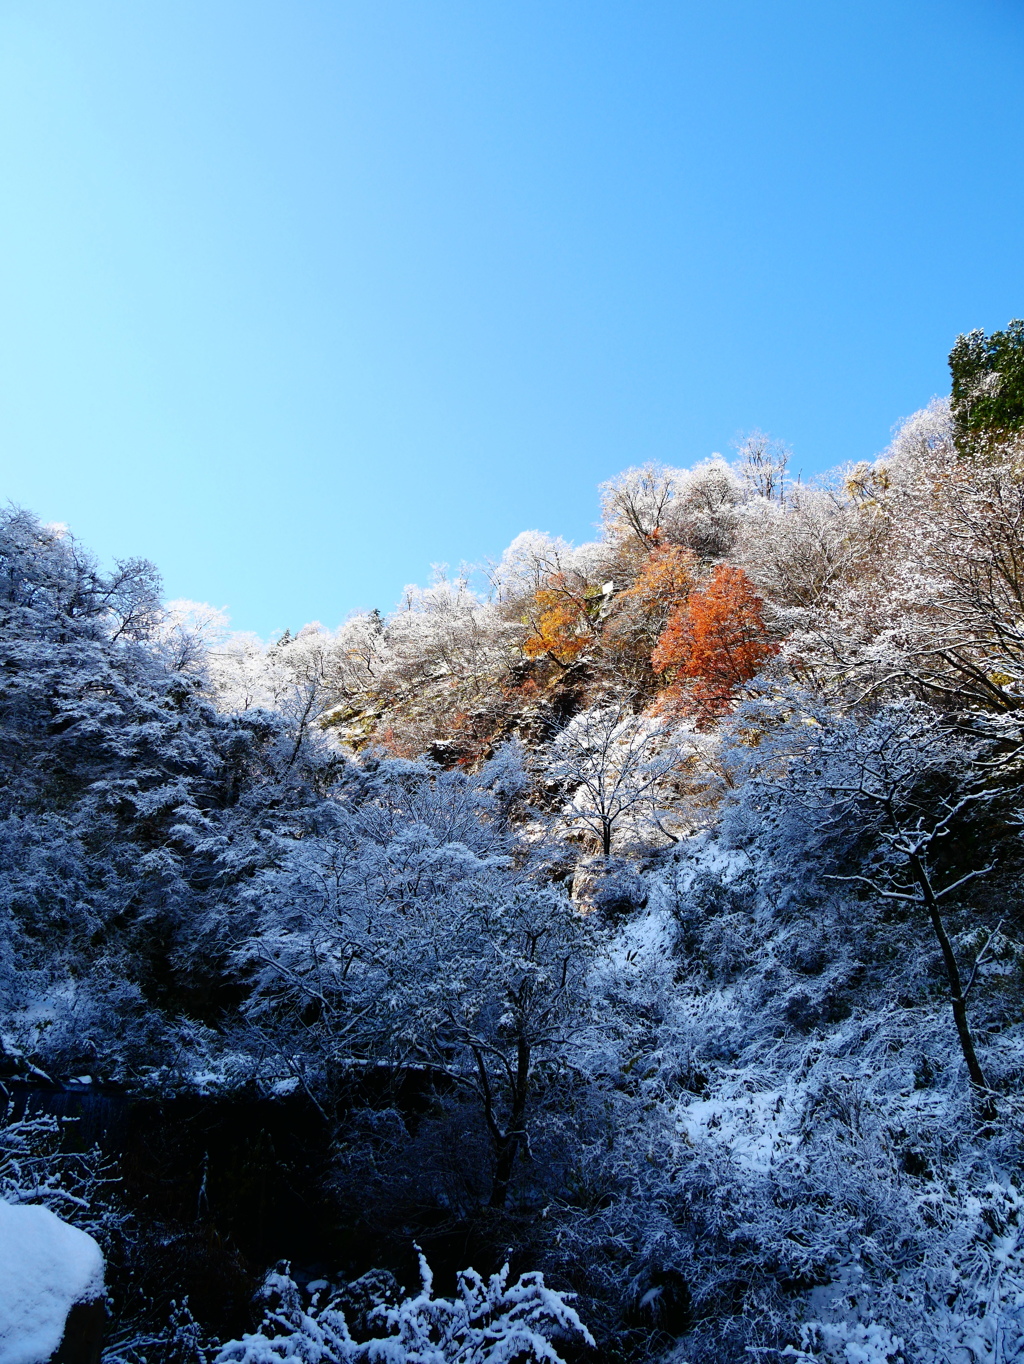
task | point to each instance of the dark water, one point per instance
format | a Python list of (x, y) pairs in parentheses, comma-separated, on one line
[(219, 1188)]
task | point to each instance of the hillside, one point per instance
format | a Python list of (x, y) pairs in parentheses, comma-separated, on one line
[(646, 913)]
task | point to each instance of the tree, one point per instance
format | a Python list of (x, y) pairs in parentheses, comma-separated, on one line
[(932, 597), (505, 1007), (662, 584), (403, 936), (899, 777), (714, 643), (988, 385), (806, 553), (908, 577), (615, 764), (564, 619), (705, 516), (636, 504), (636, 615), (762, 464), (965, 564), (695, 508)]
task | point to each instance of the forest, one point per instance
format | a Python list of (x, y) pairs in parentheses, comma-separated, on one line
[(613, 953)]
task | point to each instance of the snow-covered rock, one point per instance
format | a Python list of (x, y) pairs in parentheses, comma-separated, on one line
[(46, 1267)]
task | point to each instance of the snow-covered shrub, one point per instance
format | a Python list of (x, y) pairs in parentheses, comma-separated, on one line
[(180, 1340), (487, 1322), (78, 1186), (847, 1342), (962, 1301)]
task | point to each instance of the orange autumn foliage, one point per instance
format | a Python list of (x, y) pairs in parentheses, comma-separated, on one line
[(640, 612), (561, 621), (664, 580), (714, 643)]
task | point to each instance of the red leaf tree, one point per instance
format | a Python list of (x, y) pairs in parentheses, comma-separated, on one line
[(713, 643)]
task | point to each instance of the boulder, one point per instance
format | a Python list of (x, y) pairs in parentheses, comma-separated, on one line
[(51, 1289)]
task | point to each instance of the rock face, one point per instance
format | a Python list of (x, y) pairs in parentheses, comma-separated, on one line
[(51, 1289)]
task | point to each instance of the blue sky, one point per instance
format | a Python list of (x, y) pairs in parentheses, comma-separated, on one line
[(299, 297)]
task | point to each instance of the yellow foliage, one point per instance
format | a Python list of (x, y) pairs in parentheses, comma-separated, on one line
[(561, 621)]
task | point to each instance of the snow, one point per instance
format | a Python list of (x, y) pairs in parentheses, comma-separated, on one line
[(645, 942), (46, 1267), (755, 1127), (487, 1322)]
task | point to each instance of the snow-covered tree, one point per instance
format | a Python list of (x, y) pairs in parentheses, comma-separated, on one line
[(908, 785), (404, 934), (614, 765)]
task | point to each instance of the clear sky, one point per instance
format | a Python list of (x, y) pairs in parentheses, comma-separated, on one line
[(299, 297)]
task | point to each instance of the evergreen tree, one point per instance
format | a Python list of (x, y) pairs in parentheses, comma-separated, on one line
[(988, 385)]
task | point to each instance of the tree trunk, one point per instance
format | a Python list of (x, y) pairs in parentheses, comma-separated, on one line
[(956, 992), (503, 1165), (508, 1142)]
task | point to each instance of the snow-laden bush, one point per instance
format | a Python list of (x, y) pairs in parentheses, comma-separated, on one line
[(962, 1303), (78, 1186), (487, 1322), (178, 1340)]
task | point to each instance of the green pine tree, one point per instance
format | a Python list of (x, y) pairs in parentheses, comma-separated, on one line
[(988, 386)]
